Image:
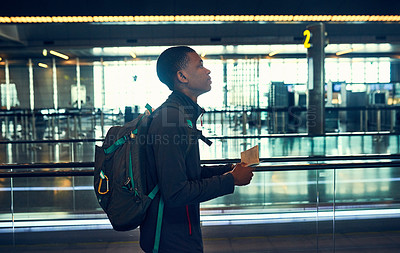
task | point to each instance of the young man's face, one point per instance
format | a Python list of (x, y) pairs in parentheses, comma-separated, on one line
[(197, 76)]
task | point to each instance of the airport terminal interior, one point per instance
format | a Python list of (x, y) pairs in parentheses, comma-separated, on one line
[(318, 94)]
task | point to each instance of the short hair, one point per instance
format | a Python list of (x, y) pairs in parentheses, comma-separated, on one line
[(171, 61)]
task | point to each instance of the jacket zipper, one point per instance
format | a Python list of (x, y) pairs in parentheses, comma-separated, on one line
[(188, 217)]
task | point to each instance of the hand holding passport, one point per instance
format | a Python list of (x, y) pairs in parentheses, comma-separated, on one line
[(243, 171)]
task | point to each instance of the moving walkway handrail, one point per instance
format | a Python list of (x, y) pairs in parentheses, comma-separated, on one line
[(95, 111), (383, 107), (314, 163), (294, 135), (215, 161)]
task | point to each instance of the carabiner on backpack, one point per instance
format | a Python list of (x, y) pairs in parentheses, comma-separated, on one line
[(103, 176)]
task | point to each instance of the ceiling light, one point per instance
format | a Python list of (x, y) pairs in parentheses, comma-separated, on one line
[(1, 58), (345, 51), (66, 57), (202, 18), (43, 65), (44, 52), (203, 54), (348, 50), (133, 54), (276, 52), (5, 20)]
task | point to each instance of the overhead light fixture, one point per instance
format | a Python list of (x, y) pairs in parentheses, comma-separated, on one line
[(66, 57), (44, 52), (1, 59), (133, 54), (43, 65), (276, 52), (201, 18), (348, 50), (203, 55)]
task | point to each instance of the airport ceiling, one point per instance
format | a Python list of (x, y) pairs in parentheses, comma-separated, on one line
[(204, 7), (26, 40)]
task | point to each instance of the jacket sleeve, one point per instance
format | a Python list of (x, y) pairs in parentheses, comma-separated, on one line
[(209, 171), (170, 156)]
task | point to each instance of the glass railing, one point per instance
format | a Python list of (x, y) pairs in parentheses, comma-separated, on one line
[(69, 124), (318, 180)]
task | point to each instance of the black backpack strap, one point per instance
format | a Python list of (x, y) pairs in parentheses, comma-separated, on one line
[(205, 139)]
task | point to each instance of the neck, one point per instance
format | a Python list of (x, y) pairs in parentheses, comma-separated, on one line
[(192, 96)]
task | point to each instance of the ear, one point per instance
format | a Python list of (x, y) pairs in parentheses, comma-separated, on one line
[(181, 76)]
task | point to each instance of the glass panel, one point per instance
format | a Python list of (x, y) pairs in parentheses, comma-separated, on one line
[(326, 199), (384, 70), (372, 70)]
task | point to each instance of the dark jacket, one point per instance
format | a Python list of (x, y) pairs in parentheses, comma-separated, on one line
[(174, 162)]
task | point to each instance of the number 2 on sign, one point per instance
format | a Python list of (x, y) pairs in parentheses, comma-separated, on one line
[(307, 34)]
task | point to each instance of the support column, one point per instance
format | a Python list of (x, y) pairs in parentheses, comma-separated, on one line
[(225, 77), (8, 97), (395, 80), (8, 92), (316, 80), (55, 91), (103, 86), (32, 98), (31, 90), (78, 83)]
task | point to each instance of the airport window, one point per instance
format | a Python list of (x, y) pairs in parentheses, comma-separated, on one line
[(247, 80), (358, 70), (128, 84), (12, 99), (384, 70)]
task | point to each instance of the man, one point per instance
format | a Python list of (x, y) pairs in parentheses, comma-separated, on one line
[(174, 158)]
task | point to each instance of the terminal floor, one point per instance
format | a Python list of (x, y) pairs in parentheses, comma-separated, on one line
[(266, 238)]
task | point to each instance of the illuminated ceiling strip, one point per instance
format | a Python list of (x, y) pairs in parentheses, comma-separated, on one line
[(66, 57), (202, 18)]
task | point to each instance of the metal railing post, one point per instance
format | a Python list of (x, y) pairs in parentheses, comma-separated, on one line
[(244, 122)]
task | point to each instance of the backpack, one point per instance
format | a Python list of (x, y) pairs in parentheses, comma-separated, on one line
[(120, 173)]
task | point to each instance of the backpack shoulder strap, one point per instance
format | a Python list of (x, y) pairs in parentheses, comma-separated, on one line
[(115, 145), (189, 122)]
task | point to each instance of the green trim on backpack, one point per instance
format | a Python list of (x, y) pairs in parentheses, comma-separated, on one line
[(115, 146), (154, 192), (148, 107), (159, 224)]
